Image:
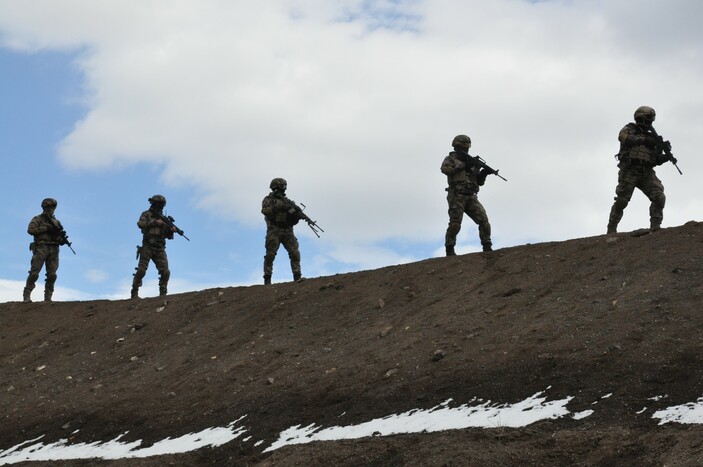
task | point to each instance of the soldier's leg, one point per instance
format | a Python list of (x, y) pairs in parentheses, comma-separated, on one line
[(623, 194), (290, 243), (161, 262), (653, 188), (475, 210), (38, 258), (273, 241), (142, 266), (52, 265), (456, 215)]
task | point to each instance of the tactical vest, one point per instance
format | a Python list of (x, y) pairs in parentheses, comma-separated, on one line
[(464, 180), (50, 236), (154, 234), (638, 153)]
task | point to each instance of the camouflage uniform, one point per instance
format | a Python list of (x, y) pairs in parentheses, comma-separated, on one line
[(46, 230), (464, 182), (280, 219), (153, 247), (638, 156)]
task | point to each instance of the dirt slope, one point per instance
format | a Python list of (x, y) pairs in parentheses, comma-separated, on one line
[(585, 318)]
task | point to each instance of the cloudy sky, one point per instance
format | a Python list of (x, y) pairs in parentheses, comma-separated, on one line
[(355, 103)]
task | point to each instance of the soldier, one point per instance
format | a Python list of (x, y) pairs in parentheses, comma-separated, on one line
[(155, 231), (280, 217), (639, 154), (464, 177), (48, 236)]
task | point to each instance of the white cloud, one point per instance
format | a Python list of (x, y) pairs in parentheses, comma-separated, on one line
[(355, 103), (95, 276), (11, 291)]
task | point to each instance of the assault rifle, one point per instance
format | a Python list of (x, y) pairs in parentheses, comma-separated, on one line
[(62, 235), (63, 239), (169, 221), (476, 160), (664, 146), (311, 223)]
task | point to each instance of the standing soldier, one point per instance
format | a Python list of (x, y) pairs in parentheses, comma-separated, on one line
[(640, 152), (156, 230), (48, 236), (465, 176), (281, 215)]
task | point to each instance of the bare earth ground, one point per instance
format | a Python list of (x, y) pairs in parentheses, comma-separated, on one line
[(616, 315)]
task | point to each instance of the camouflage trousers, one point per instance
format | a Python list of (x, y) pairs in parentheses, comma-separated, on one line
[(460, 204), (43, 255), (645, 180), (275, 236), (158, 256)]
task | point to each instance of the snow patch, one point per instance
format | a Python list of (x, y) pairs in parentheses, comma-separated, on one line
[(116, 449), (689, 413), (441, 417)]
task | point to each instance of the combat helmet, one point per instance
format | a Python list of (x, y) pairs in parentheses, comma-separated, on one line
[(461, 141), (278, 184), (645, 114), (48, 202), (158, 199)]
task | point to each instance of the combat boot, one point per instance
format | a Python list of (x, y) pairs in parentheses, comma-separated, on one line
[(267, 279), (162, 291), (488, 246), (450, 251), (26, 295), (47, 295), (298, 277), (135, 293)]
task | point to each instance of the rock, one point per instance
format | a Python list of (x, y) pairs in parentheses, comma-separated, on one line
[(385, 331), (438, 355), (390, 372)]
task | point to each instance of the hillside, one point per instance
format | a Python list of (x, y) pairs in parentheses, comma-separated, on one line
[(614, 323)]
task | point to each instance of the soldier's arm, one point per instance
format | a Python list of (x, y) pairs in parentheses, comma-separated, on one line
[(629, 136), (144, 220), (450, 165), (267, 206), (36, 226)]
